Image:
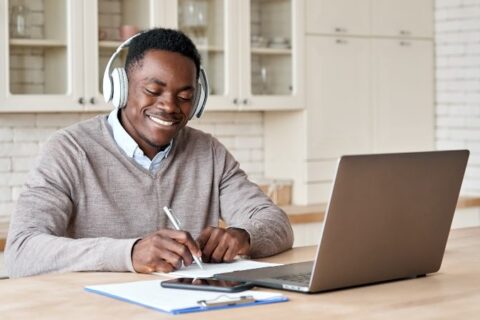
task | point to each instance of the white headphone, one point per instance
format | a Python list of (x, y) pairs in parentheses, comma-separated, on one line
[(115, 84)]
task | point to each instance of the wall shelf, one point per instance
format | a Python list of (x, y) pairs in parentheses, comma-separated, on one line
[(271, 51), (41, 43)]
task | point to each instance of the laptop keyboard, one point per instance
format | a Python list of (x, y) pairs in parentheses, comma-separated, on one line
[(299, 277)]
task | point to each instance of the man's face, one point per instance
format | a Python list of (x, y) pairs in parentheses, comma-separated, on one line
[(160, 99)]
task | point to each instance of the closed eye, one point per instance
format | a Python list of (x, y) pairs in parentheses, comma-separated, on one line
[(185, 99), (151, 93)]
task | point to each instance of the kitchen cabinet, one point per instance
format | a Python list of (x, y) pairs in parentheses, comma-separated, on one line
[(403, 95), (384, 18), (338, 17), (58, 64), (252, 50), (43, 67), (365, 93), (340, 113), (406, 18)]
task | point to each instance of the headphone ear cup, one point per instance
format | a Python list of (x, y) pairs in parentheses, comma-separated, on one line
[(201, 94), (196, 100), (119, 87), (107, 87)]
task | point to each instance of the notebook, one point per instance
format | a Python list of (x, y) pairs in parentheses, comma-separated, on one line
[(174, 301), (388, 218)]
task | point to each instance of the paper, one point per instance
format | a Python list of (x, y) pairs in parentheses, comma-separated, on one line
[(209, 269), (150, 294)]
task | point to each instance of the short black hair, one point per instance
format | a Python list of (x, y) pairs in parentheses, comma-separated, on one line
[(161, 39)]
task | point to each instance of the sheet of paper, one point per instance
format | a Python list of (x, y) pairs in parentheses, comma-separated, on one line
[(151, 294), (209, 269)]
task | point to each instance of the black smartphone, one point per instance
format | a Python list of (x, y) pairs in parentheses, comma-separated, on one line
[(208, 284)]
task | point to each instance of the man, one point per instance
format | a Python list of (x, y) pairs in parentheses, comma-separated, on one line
[(93, 201)]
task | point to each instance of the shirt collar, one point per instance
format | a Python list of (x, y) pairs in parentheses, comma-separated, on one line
[(124, 140)]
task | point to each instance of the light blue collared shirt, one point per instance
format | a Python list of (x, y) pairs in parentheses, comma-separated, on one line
[(131, 148)]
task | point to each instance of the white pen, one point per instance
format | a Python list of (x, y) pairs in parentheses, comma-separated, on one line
[(177, 226)]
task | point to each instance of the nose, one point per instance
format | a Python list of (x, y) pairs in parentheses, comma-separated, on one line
[(168, 103)]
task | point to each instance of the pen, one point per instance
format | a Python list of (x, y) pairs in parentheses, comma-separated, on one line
[(176, 225)]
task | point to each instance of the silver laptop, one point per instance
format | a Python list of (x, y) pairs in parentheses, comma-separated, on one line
[(388, 218)]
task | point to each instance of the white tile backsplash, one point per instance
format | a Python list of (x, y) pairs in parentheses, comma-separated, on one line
[(457, 34), (22, 136)]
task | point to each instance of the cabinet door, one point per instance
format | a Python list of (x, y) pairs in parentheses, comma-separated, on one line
[(211, 24), (271, 54), (108, 24), (338, 100), (402, 18), (43, 67), (403, 95), (338, 16)]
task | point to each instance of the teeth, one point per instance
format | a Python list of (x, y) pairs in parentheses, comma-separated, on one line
[(159, 121)]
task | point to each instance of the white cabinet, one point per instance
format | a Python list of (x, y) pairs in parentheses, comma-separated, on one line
[(403, 95), (413, 18), (58, 63), (386, 18), (365, 92), (252, 50), (103, 22), (43, 65), (338, 16), (338, 86)]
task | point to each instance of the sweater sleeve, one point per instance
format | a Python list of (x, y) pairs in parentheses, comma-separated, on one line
[(243, 205), (37, 240)]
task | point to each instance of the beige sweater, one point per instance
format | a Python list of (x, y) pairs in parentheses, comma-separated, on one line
[(85, 202)]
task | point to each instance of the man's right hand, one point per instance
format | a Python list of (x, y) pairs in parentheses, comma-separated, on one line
[(164, 251)]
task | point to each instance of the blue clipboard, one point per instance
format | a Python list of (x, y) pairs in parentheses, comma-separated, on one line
[(151, 295)]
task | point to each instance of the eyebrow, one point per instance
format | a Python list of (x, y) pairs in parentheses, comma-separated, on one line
[(163, 84)]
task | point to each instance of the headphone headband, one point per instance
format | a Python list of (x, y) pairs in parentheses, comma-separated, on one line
[(115, 84)]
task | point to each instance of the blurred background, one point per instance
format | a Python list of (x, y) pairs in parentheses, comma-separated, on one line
[(294, 84)]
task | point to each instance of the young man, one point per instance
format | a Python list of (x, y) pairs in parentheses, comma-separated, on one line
[(93, 201)]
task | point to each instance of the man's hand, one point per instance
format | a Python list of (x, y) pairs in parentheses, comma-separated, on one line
[(164, 251), (222, 245)]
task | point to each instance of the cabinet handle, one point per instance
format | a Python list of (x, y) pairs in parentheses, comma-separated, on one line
[(235, 101), (340, 30), (81, 100), (92, 100), (341, 41), (245, 101), (404, 32), (405, 43)]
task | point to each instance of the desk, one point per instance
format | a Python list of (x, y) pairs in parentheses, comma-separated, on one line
[(453, 292)]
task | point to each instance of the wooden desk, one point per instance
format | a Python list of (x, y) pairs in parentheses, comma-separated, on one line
[(454, 292)]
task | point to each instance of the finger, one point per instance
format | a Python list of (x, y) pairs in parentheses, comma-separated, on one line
[(231, 253), (184, 238), (173, 251), (222, 246), (212, 243), (202, 239), (163, 266)]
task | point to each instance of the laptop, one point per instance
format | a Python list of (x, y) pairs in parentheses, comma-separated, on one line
[(388, 218)]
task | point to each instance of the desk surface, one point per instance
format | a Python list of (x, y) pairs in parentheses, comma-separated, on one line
[(453, 292)]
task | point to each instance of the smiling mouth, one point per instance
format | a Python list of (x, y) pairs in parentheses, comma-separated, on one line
[(162, 122)]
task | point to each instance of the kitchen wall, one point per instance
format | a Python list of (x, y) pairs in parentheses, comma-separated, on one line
[(457, 36), (23, 135)]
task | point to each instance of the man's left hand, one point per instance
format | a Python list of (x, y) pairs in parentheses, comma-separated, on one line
[(223, 245)]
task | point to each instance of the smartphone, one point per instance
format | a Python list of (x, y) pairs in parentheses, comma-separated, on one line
[(208, 284)]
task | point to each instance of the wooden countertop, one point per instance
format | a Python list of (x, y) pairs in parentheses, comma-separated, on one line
[(316, 213), (451, 293)]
